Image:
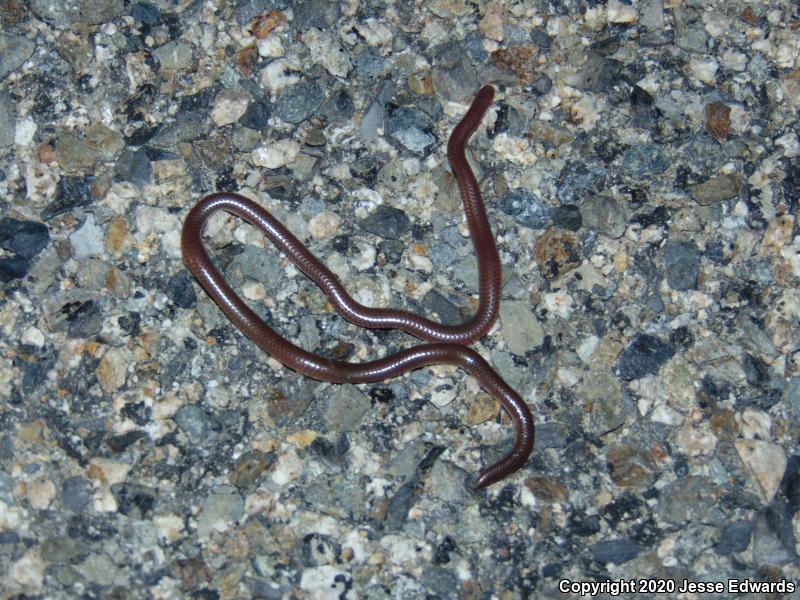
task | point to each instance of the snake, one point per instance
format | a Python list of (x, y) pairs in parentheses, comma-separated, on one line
[(445, 344)]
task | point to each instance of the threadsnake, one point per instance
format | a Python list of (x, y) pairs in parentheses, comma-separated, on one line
[(447, 344)]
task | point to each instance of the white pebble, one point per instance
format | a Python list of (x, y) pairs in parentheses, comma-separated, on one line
[(325, 225), (276, 154), (229, 105), (33, 337)]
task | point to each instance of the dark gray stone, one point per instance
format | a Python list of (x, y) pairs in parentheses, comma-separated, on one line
[(441, 582), (134, 166), (258, 264), (71, 192), (317, 14), (85, 320), (76, 493), (605, 215), (411, 127), (256, 116), (473, 42), (689, 499), (338, 108), (542, 84), (14, 267), (734, 537), (578, 179), (91, 12), (25, 238), (773, 537), (179, 289), (369, 63), (644, 355), (600, 74), (298, 102), (435, 303), (790, 484), (682, 264), (525, 208), (401, 502), (541, 38), (387, 222), (615, 551), (194, 422), (145, 13), (690, 32), (550, 435), (645, 159), (567, 216), (454, 74)]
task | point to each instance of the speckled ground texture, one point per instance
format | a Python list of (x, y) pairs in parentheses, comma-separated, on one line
[(641, 168)]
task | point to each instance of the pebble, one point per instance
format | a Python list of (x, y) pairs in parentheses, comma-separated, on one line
[(773, 541), (24, 238), (256, 116), (521, 330), (411, 128), (71, 192), (113, 368), (106, 142), (195, 423), (258, 264), (525, 208), (276, 154), (179, 289), (690, 497), (734, 537), (87, 240), (324, 225), (387, 222), (298, 102), (630, 467), (345, 408), (644, 354), (715, 189), (338, 108), (8, 112), (14, 267), (605, 215), (14, 51), (135, 167), (765, 462), (567, 216), (229, 107), (617, 551), (689, 31), (557, 252), (174, 56), (645, 159), (579, 179), (608, 407), (90, 12), (368, 63), (682, 264), (27, 573), (74, 154), (220, 510), (76, 493)]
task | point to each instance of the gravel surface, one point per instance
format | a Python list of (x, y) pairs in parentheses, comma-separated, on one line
[(641, 168)]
